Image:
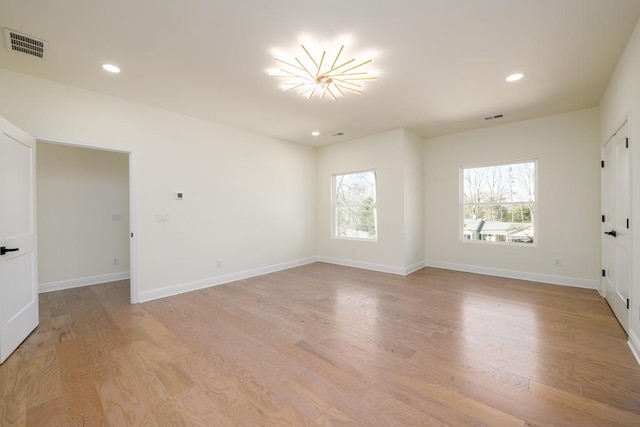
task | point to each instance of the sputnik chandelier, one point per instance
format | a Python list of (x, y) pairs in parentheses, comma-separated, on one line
[(322, 75)]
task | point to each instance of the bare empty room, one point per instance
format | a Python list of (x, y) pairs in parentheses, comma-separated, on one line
[(347, 213)]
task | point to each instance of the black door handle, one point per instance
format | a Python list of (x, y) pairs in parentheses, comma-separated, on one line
[(611, 233), (4, 250)]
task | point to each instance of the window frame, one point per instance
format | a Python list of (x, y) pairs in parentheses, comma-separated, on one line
[(334, 206), (534, 203)]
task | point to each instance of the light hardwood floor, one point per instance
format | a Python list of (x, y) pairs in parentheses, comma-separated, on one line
[(326, 345)]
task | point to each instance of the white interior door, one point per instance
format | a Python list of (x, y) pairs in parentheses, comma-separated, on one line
[(616, 238), (18, 266)]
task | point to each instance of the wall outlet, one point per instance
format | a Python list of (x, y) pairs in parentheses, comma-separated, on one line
[(115, 261), (557, 262), (353, 251), (219, 263)]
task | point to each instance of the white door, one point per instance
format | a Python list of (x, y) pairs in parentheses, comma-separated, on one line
[(616, 237), (18, 266)]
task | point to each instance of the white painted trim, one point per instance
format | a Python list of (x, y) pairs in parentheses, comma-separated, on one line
[(634, 345), (363, 265), (521, 275), (220, 280), (413, 268), (82, 281), (133, 227)]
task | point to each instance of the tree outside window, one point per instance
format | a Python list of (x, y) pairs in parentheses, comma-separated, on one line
[(354, 205), (499, 203)]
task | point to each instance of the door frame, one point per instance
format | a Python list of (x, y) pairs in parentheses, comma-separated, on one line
[(133, 245)]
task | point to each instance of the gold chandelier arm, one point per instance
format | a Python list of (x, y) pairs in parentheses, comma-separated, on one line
[(293, 87), (335, 61), (339, 66), (289, 74), (324, 52), (310, 57), (359, 65), (312, 92), (345, 82), (349, 89), (305, 69), (289, 64), (361, 78), (331, 93)]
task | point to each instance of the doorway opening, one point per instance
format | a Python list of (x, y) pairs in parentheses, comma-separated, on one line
[(86, 216)]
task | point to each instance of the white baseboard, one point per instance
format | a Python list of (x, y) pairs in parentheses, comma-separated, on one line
[(634, 345), (534, 277), (413, 268), (83, 281), (371, 266), (219, 280)]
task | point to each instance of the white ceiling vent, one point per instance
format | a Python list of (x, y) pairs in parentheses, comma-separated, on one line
[(18, 42), (494, 116)]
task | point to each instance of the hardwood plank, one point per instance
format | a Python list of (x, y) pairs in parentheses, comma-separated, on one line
[(48, 414), (13, 382), (44, 377), (82, 403), (199, 408), (123, 403)]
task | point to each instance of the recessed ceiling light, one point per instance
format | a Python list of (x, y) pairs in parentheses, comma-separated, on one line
[(315, 133), (514, 77), (111, 68)]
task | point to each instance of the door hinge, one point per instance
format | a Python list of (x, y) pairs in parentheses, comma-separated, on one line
[(627, 303), (604, 273), (627, 223), (131, 234), (602, 163), (603, 218), (627, 143)]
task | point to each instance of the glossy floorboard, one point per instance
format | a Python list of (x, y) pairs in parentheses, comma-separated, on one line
[(326, 345)]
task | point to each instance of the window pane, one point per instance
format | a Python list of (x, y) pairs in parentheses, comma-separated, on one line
[(355, 205), (499, 223), (499, 202), (502, 183), (356, 221), (352, 189)]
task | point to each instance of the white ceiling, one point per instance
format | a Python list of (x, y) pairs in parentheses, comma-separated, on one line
[(441, 63)]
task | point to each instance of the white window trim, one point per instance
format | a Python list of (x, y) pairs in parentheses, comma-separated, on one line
[(334, 206), (536, 209)]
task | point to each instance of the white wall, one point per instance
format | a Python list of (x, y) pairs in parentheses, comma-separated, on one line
[(622, 99), (395, 156), (413, 201), (568, 153), (79, 191), (249, 199)]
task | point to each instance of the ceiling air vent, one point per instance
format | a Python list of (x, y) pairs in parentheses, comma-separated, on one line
[(494, 116), (18, 42)]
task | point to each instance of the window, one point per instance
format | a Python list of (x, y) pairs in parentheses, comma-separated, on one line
[(499, 203), (354, 205)]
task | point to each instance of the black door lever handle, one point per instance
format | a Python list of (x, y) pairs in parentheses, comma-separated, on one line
[(611, 233), (4, 250)]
